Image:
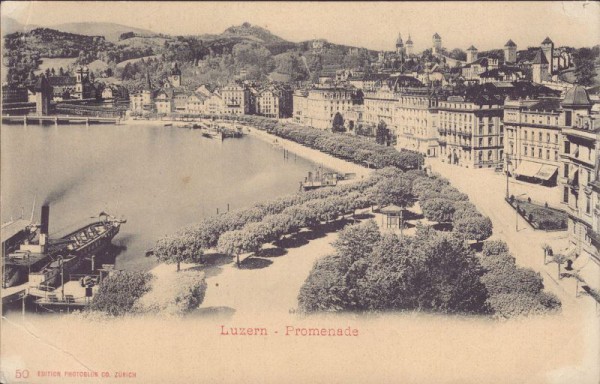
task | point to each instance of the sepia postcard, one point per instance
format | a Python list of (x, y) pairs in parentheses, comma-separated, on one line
[(300, 192)]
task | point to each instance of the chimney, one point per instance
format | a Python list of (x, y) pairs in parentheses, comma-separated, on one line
[(45, 219)]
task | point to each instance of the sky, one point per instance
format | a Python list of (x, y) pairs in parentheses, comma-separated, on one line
[(373, 25)]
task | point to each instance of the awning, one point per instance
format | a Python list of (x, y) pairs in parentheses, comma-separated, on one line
[(528, 168), (546, 172)]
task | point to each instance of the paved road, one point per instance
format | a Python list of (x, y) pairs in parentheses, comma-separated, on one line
[(487, 189)]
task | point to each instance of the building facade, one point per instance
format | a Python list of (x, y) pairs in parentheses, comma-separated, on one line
[(471, 132), (415, 116), (317, 107), (579, 179), (532, 142), (236, 98)]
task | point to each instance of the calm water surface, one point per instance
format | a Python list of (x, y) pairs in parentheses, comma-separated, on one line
[(160, 179)]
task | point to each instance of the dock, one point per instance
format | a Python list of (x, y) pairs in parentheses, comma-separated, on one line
[(58, 119)]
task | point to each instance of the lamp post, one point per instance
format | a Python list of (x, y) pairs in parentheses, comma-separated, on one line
[(62, 277), (508, 162)]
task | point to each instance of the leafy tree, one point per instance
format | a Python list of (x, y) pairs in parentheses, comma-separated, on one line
[(174, 295), (508, 305), (395, 190), (438, 209), (584, 66), (476, 228), (180, 248), (382, 133), (120, 291), (338, 123), (458, 54)]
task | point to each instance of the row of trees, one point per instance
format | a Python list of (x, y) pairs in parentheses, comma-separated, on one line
[(444, 204), (190, 243), (357, 149)]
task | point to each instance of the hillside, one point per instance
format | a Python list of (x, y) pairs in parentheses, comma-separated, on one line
[(253, 32), (111, 31)]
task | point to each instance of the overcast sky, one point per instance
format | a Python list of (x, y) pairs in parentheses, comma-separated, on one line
[(371, 25)]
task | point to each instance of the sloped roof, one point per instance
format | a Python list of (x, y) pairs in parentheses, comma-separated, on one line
[(471, 48), (547, 41), (510, 43), (436, 36), (546, 105)]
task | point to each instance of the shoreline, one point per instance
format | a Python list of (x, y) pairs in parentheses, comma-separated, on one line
[(310, 154)]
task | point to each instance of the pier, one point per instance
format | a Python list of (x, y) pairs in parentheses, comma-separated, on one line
[(58, 119)]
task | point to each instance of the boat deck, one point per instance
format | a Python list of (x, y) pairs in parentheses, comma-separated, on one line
[(74, 296)]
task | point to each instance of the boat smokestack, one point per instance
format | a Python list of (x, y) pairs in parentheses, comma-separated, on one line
[(45, 223)]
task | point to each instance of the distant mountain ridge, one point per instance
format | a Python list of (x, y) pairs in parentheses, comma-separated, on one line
[(110, 31)]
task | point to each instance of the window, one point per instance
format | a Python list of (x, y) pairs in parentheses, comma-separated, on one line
[(588, 205), (565, 194), (548, 135), (540, 153), (547, 154), (566, 171), (525, 151), (556, 139), (555, 155), (540, 137)]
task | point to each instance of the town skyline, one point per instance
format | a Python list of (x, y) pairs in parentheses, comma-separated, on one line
[(566, 24)]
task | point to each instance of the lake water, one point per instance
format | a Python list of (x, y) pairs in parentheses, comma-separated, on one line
[(159, 178)]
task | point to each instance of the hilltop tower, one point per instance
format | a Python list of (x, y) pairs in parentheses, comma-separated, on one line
[(548, 50), (471, 54), (409, 46), (510, 52), (437, 43), (175, 76)]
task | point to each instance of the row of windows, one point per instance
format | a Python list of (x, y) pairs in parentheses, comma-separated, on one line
[(540, 153)]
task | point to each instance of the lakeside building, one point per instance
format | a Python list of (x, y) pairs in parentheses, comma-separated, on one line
[(236, 97), (274, 101), (415, 117), (316, 107), (580, 182), (142, 101)]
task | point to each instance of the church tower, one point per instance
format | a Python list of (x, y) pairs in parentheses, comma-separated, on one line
[(409, 46), (400, 48), (175, 76), (510, 52)]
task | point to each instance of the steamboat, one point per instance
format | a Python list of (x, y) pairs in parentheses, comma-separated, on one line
[(30, 256)]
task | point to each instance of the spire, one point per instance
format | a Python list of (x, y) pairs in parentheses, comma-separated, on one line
[(409, 41), (148, 85), (399, 42)]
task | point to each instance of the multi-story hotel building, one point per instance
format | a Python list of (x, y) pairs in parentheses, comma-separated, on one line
[(532, 131), (579, 179), (317, 107), (274, 102), (471, 131), (379, 106), (415, 116), (236, 98)]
